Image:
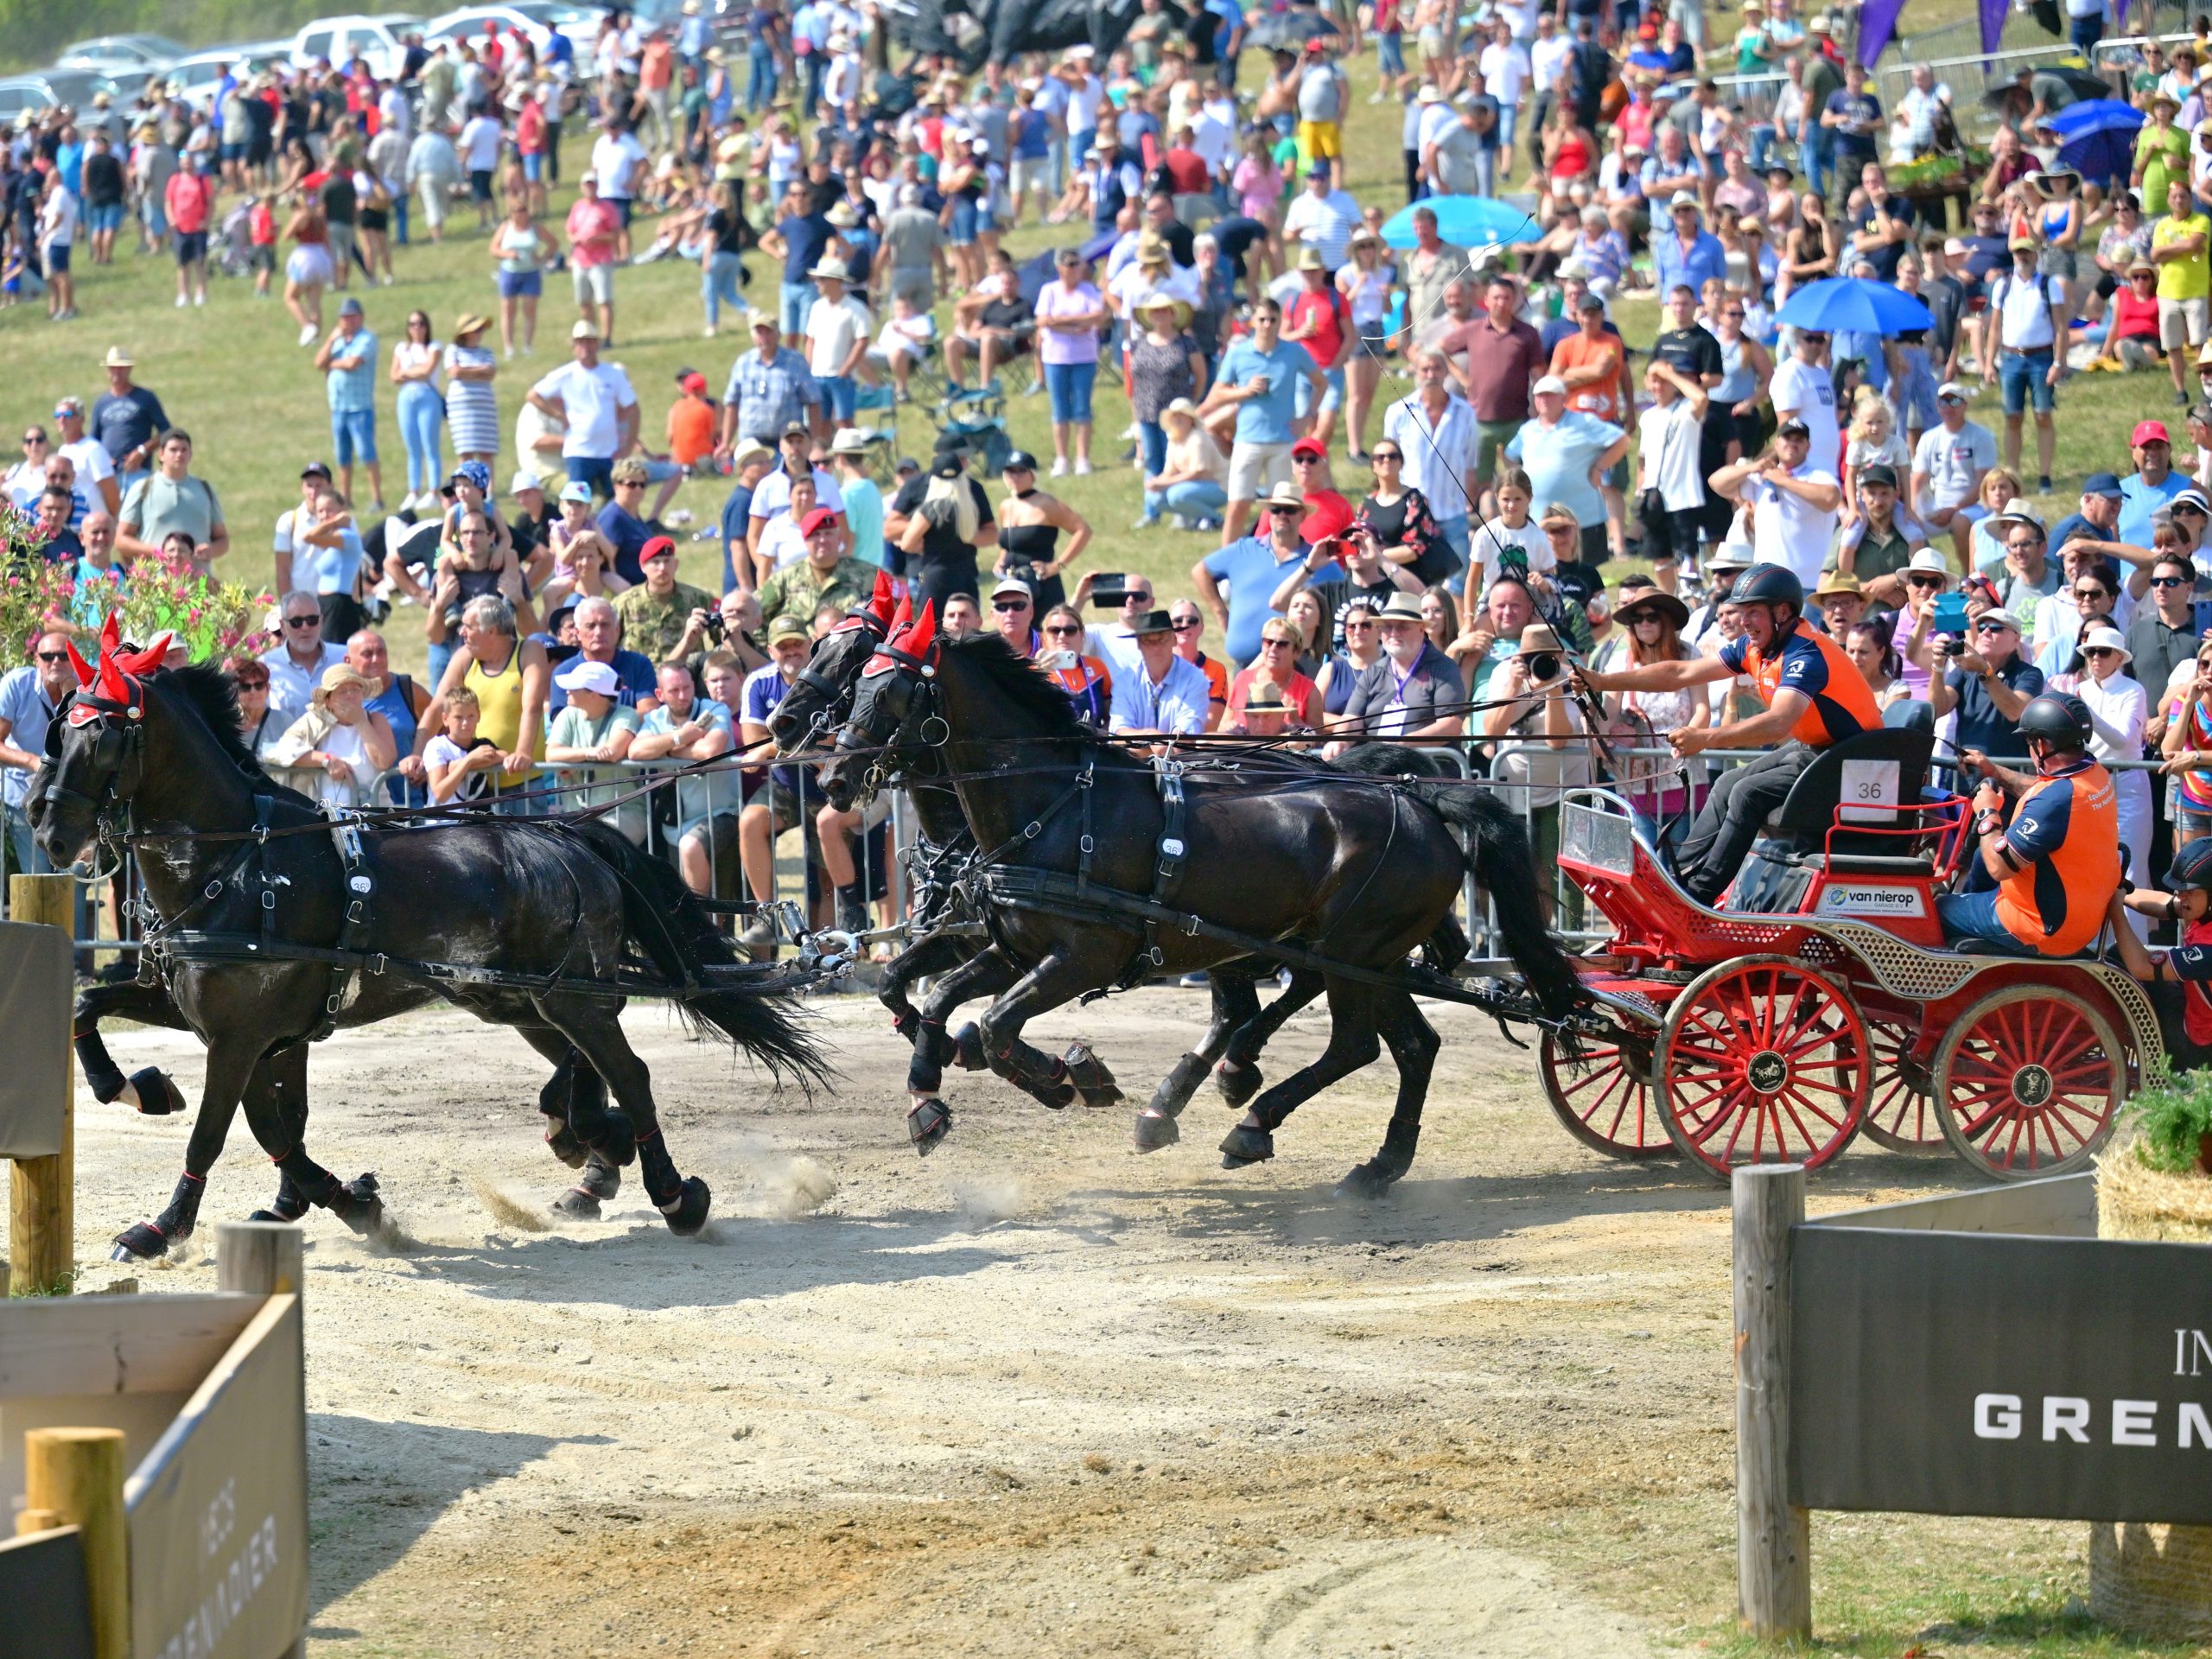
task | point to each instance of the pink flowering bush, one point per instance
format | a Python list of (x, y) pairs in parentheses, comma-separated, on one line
[(212, 617)]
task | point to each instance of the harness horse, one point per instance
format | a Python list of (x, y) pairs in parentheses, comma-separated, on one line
[(274, 925)]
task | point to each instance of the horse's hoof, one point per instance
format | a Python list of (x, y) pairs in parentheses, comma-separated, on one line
[(967, 1048), (1155, 1130), (928, 1124), (562, 1140), (356, 1203), (1243, 1145), (1237, 1083), (1366, 1181), (687, 1214), (272, 1215), (576, 1204), (1090, 1075), (601, 1181), (154, 1093), (143, 1242)]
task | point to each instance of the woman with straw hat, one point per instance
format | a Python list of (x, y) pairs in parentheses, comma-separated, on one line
[(472, 407), (348, 744), (1164, 366)]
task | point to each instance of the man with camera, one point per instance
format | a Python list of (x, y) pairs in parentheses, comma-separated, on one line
[(1110, 590), (1814, 695), (1989, 683), (1536, 721)]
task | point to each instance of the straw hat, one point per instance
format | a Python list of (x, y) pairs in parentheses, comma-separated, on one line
[(336, 679), (469, 322)]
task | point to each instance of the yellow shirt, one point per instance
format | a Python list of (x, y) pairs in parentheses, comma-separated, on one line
[(2189, 278), (498, 701)]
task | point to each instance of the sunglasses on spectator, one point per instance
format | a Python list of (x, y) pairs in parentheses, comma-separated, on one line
[(1307, 460), (2089, 593), (1360, 627), (2098, 651), (1275, 645), (1009, 604), (1385, 455), (1924, 581), (2025, 543), (31, 440), (1952, 402), (629, 483), (53, 656), (2172, 582), (2188, 506), (1063, 627), (303, 621), (1188, 624), (1992, 627)]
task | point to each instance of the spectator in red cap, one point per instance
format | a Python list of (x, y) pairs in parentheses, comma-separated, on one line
[(691, 421), (662, 617), (1328, 512), (2152, 484), (827, 576)]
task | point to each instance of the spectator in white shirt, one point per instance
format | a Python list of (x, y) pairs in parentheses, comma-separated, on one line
[(595, 401), (1323, 216)]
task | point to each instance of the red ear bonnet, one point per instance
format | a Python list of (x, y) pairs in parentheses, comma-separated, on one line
[(916, 640), (86, 672), (880, 601), (146, 661)]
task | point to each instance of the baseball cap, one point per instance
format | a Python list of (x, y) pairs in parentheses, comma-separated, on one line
[(1014, 585), (2019, 242), (693, 382), (1310, 447), (815, 520), (2104, 483), (1952, 388), (2005, 619), (524, 481), (315, 469), (1880, 472), (1953, 245), (585, 329), (1018, 461), (2148, 432), (350, 307), (786, 627), (582, 674), (1550, 382), (1793, 426)]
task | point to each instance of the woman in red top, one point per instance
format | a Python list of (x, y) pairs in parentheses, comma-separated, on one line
[(2131, 341), (1277, 662)]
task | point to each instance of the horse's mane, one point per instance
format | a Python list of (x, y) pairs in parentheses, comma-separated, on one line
[(1021, 683), (211, 695)]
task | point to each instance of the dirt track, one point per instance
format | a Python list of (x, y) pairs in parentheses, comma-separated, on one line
[(1036, 1396)]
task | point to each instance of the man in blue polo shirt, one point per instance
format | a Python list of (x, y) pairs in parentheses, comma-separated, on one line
[(1254, 567), (2152, 484)]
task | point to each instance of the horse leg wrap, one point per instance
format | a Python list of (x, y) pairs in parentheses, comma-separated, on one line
[(928, 1121), (617, 1140), (141, 1241), (905, 1019), (1090, 1075), (1155, 1130), (102, 1076), (1237, 1081), (1176, 1088), (354, 1201), (290, 1204), (1051, 1091), (600, 1180), (1367, 1181), (683, 1201)]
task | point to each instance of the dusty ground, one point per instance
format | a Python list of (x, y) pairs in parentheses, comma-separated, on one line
[(1036, 1396)]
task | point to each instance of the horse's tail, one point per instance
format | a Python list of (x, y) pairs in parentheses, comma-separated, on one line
[(1498, 853), (663, 919)]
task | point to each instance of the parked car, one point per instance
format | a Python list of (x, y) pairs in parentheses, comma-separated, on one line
[(374, 39), (124, 56), (42, 90), (538, 20), (197, 75)]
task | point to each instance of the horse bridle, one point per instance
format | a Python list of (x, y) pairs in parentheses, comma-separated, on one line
[(834, 697), (118, 749), (911, 698)]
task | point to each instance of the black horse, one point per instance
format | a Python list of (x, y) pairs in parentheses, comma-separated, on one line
[(969, 966), (1358, 870), (262, 881)]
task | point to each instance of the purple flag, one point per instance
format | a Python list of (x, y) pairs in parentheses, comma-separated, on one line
[(1993, 23), (1877, 22)]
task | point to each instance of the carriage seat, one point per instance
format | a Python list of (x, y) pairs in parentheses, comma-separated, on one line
[(1864, 780)]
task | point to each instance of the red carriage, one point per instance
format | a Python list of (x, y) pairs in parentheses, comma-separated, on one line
[(1822, 1001)]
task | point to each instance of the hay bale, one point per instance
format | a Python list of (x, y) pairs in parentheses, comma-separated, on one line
[(2148, 1578)]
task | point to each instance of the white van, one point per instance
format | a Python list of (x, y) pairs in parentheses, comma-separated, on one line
[(375, 39)]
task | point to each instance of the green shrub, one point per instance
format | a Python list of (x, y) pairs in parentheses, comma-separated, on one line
[(2170, 1117)]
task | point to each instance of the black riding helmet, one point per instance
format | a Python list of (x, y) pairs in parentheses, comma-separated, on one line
[(2057, 717), (2192, 867), (1769, 584)]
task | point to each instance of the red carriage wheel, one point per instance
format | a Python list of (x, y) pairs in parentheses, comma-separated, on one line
[(2028, 1083), (1604, 1095), (1901, 1108), (1763, 1060)]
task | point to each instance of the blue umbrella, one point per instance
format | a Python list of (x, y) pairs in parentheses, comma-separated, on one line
[(2097, 137), (1464, 221), (1854, 305)]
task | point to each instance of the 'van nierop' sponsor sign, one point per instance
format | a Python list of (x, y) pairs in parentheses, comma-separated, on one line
[(1986, 1374)]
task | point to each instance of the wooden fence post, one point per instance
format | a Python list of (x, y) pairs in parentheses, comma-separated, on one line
[(263, 1258), (41, 1205), (77, 1474), (259, 1258), (1774, 1562)]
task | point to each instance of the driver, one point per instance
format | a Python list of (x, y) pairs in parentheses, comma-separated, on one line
[(2056, 866), (1815, 697)]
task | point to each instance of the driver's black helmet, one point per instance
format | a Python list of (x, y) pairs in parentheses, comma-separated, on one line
[(2057, 717), (1769, 584), (2192, 867)]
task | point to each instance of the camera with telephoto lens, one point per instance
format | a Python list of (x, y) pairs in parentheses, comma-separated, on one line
[(717, 626), (1543, 667)]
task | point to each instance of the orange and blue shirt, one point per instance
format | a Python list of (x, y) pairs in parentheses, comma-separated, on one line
[(2065, 834), (1808, 661)]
